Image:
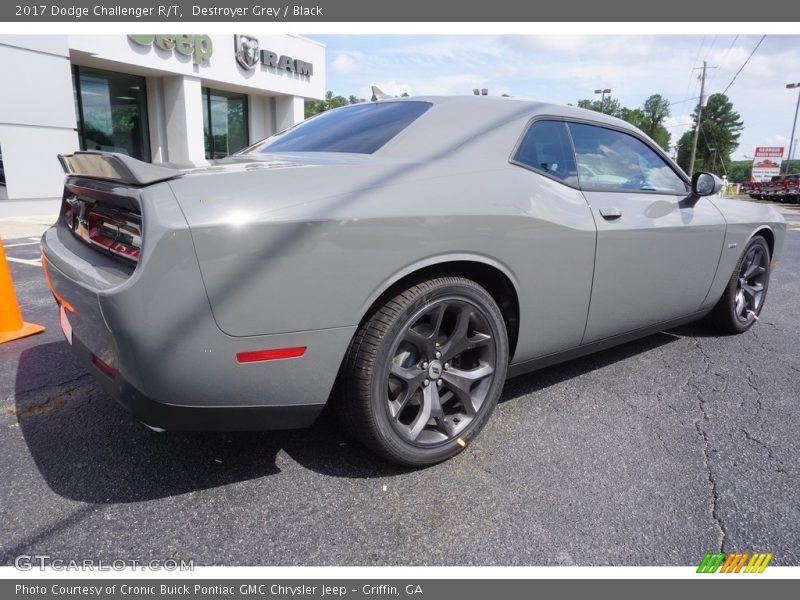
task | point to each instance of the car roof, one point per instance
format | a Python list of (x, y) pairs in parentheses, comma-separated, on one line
[(479, 125), (502, 104)]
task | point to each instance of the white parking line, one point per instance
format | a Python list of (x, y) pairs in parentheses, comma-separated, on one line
[(25, 261), (20, 244)]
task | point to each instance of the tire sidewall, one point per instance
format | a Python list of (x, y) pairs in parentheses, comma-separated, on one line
[(395, 445), (738, 324)]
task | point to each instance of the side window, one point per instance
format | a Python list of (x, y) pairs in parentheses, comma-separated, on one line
[(546, 148), (612, 160)]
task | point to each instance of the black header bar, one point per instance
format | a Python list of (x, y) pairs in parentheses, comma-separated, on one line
[(333, 11)]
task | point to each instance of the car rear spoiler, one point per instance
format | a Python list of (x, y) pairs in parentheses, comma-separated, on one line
[(111, 166)]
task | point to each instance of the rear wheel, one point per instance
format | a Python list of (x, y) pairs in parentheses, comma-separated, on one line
[(425, 371), (744, 296)]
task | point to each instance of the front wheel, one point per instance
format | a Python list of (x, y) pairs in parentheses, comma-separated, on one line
[(425, 371), (744, 296)]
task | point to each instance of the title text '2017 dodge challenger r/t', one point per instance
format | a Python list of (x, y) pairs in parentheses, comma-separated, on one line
[(400, 257)]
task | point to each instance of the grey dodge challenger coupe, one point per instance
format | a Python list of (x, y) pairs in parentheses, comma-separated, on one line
[(399, 258)]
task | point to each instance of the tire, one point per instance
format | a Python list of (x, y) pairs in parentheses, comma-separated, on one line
[(744, 296), (424, 372)]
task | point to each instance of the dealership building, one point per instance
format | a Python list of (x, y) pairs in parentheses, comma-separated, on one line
[(158, 98)]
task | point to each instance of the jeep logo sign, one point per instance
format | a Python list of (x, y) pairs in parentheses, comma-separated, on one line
[(248, 55), (199, 47)]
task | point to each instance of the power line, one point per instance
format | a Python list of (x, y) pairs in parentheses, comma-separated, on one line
[(745, 63), (717, 150), (688, 124), (724, 60), (693, 98), (694, 62), (711, 47)]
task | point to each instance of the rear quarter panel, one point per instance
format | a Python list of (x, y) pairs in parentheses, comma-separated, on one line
[(320, 262)]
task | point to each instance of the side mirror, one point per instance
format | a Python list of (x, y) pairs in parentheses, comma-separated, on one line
[(705, 184)]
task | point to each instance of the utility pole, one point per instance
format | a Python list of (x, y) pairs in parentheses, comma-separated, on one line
[(790, 86), (697, 125)]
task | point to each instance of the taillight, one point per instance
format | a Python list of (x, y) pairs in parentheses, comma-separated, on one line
[(116, 231), (118, 236)]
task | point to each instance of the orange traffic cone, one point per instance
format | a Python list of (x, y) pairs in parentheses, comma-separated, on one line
[(12, 327)]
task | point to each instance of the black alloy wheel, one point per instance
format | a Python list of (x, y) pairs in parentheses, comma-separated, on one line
[(425, 372), (744, 296)]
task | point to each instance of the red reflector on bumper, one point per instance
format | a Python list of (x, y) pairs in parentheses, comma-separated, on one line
[(107, 369), (275, 354)]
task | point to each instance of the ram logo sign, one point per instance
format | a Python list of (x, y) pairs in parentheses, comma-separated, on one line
[(246, 51), (248, 55), (734, 562)]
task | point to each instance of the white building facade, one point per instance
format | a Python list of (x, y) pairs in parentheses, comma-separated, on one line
[(159, 98)]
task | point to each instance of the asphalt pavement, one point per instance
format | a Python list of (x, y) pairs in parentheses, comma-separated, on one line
[(652, 453)]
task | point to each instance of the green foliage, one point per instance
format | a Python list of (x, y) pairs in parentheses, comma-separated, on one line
[(609, 106), (314, 107), (634, 116), (720, 128), (740, 171), (656, 110)]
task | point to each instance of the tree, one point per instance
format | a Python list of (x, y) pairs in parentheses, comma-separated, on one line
[(634, 116), (720, 128), (608, 106), (656, 110), (314, 107), (740, 171)]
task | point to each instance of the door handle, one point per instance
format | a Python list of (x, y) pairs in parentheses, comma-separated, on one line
[(610, 213)]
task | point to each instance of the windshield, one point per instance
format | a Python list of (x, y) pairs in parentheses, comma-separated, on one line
[(359, 128)]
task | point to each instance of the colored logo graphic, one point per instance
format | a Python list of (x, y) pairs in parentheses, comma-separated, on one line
[(734, 562)]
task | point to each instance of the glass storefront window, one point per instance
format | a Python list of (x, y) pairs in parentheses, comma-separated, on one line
[(224, 122), (112, 112)]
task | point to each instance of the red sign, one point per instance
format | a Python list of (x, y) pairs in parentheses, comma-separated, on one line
[(765, 169), (773, 151)]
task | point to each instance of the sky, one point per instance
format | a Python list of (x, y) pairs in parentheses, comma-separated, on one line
[(563, 69)]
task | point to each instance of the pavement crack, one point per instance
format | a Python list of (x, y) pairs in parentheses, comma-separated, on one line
[(753, 386), (60, 384), (701, 430), (751, 438), (30, 405)]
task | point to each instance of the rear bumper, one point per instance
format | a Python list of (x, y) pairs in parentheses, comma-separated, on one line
[(171, 417), (168, 361)]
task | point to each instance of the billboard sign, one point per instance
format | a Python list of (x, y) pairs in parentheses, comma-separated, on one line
[(767, 162)]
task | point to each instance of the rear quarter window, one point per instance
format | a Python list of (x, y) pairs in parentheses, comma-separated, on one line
[(546, 148)]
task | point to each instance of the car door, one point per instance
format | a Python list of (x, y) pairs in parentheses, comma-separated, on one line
[(656, 254), (556, 250)]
